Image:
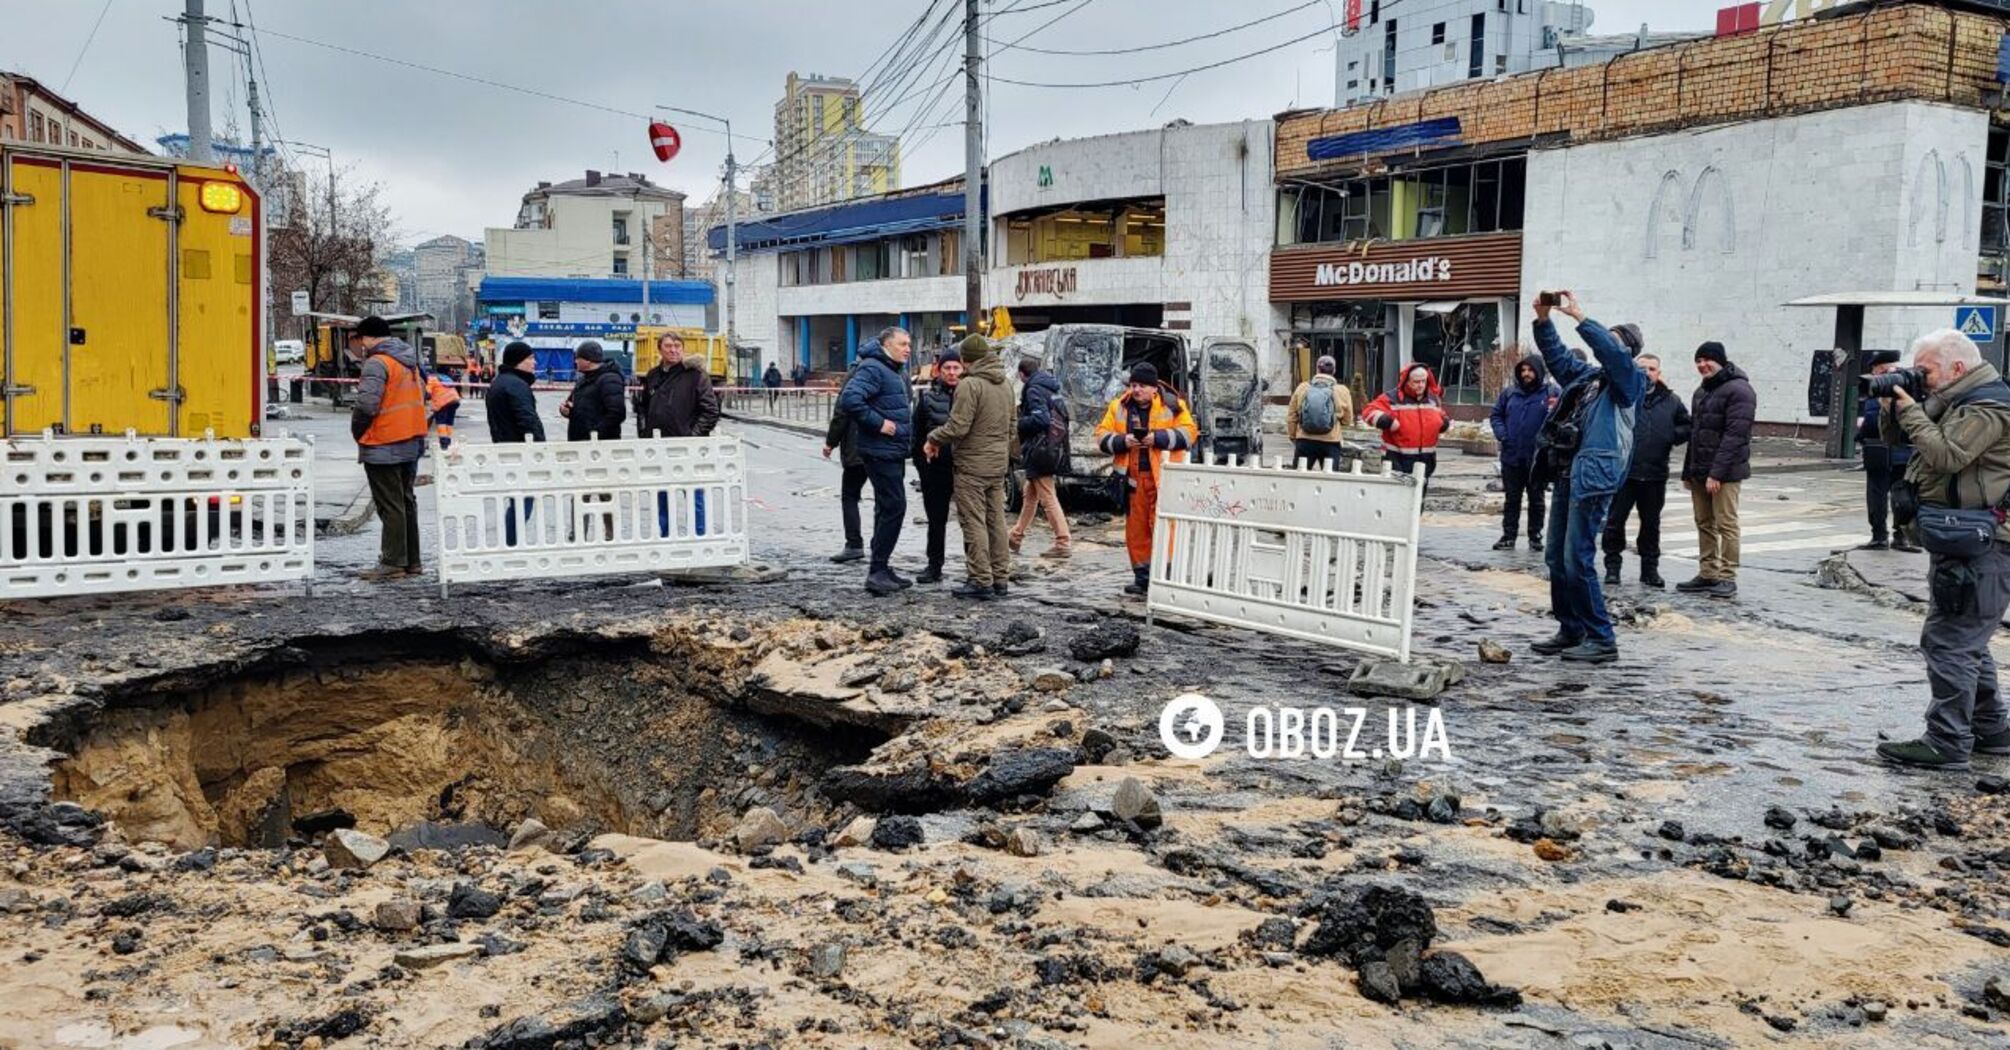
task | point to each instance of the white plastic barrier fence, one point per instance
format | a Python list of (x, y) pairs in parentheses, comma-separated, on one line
[(589, 508), (1320, 555), (103, 515)]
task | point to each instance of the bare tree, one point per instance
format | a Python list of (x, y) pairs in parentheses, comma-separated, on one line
[(333, 245)]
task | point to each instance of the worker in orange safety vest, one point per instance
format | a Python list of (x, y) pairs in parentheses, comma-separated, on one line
[(388, 422), (1146, 427)]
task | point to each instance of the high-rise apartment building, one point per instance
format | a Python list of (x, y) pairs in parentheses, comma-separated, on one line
[(823, 151)]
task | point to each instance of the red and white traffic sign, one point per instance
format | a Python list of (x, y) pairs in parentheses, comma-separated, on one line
[(664, 140)]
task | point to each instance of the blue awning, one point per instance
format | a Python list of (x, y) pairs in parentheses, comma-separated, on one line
[(592, 290), (847, 223), (1439, 132)]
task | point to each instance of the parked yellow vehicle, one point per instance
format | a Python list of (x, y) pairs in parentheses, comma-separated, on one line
[(697, 343), (129, 295), (328, 350)]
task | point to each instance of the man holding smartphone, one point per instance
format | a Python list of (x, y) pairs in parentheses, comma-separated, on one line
[(1588, 445)]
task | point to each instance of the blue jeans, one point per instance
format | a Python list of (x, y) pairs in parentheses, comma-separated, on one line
[(663, 513), (1575, 598)]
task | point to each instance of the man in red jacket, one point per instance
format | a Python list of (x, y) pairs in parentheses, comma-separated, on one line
[(1410, 418)]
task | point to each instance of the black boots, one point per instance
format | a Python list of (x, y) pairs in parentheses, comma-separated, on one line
[(1505, 543), (932, 574), (1612, 565), (1650, 573), (1142, 580), (1535, 542), (883, 582)]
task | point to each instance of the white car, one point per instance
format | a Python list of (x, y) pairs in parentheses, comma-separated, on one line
[(288, 352)]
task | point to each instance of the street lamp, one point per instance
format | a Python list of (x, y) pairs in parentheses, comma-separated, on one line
[(732, 233)]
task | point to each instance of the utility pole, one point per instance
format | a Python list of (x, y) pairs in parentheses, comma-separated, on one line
[(257, 135), (195, 74), (732, 233), (973, 171)]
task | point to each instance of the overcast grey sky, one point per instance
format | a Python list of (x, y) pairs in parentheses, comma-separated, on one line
[(456, 156)]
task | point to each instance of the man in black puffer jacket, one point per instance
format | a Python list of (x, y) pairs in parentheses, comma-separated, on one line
[(1661, 424), (1719, 461), (599, 399), (882, 420), (938, 476)]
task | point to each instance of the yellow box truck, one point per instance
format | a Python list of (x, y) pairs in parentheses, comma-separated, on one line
[(130, 292), (698, 343)]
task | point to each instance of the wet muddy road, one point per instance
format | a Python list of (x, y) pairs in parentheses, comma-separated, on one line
[(1693, 846)]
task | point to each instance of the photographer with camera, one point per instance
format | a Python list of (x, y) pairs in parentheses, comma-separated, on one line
[(1953, 409), (1587, 446)]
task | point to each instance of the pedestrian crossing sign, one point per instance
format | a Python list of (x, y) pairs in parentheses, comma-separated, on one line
[(1976, 322)]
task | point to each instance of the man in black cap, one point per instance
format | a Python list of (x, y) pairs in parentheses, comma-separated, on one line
[(512, 411), (1716, 466), (1147, 425), (388, 422), (1883, 463), (598, 402)]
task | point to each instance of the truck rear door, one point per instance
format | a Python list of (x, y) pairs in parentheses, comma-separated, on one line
[(87, 291)]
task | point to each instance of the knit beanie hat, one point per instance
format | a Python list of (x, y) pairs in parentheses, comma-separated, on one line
[(1143, 372), (373, 327), (515, 353), (589, 351), (1712, 351), (1629, 335), (975, 348), (947, 356)]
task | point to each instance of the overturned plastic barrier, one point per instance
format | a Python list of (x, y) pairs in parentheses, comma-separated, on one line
[(1321, 555)]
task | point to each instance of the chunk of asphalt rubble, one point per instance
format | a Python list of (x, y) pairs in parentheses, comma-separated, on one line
[(896, 833), (1108, 638), (432, 955), (1780, 818), (1020, 771), (469, 901), (827, 961), (1021, 639), (760, 827), (349, 848), (1135, 804), (397, 915), (856, 833), (529, 834)]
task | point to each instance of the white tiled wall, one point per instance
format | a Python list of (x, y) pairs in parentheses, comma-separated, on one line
[(1840, 201)]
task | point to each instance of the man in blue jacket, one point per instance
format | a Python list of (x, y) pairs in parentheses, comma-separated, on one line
[(1517, 419), (882, 419), (1588, 445)]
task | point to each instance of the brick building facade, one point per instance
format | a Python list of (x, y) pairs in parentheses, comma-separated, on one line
[(1692, 189)]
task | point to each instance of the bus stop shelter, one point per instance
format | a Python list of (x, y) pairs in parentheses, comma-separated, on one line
[(1832, 375)]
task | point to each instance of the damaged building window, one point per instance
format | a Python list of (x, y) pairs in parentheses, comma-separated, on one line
[(1478, 197)]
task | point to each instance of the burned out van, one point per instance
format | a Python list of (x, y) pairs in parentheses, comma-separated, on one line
[(1220, 380)]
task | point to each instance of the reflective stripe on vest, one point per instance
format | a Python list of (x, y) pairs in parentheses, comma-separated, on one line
[(401, 414)]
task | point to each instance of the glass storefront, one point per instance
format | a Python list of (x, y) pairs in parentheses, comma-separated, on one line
[(1457, 341)]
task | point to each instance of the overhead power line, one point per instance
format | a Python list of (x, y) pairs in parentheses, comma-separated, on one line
[(1128, 81), (1167, 44), (469, 77), (86, 49)]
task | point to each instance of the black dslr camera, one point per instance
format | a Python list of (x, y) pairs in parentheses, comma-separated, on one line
[(1910, 380)]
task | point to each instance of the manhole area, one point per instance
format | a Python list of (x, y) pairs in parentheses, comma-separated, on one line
[(639, 743)]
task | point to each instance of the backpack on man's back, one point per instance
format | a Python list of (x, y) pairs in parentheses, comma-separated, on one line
[(1318, 413)]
